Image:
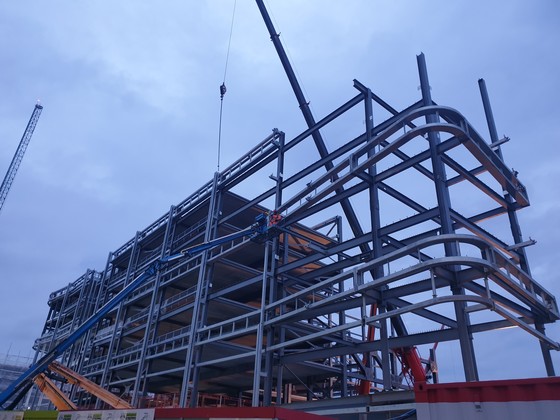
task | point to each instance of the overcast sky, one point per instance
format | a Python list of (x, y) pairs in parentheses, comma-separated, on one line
[(131, 103)]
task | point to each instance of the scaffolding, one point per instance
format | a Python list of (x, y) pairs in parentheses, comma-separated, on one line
[(11, 367), (404, 235)]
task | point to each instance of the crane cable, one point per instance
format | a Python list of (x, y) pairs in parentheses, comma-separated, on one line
[(223, 89)]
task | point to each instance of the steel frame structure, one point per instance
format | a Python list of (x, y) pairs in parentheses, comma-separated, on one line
[(289, 319)]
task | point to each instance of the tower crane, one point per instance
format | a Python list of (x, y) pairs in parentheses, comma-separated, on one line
[(16, 161)]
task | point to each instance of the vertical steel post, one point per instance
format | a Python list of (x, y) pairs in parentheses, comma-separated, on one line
[(512, 215), (489, 115), (545, 350), (373, 188), (442, 193), (116, 336), (88, 311), (342, 316), (60, 312), (444, 206), (259, 343), (78, 348), (385, 354), (375, 217), (513, 221), (200, 296), (282, 390), (34, 392), (57, 325), (152, 317), (273, 285), (99, 299)]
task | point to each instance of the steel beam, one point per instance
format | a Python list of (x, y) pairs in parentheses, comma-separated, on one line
[(444, 206)]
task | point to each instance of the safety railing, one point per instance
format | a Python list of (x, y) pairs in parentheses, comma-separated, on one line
[(256, 154), (104, 333), (230, 328), (94, 365), (187, 234), (146, 288), (170, 342), (181, 269), (179, 300), (127, 356), (173, 335), (149, 256), (224, 248), (137, 319), (491, 265)]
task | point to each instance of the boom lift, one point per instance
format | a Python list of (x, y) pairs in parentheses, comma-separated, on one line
[(61, 401), (262, 228)]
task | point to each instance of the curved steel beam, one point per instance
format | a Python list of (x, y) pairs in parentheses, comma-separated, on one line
[(489, 303)]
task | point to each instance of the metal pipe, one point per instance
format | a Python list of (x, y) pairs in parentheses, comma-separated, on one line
[(444, 206), (489, 115)]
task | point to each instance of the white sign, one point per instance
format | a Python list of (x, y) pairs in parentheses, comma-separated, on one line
[(140, 414), (11, 415)]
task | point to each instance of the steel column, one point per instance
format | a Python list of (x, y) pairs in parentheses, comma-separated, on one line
[(152, 317), (444, 206), (274, 289), (260, 330), (512, 215), (190, 379)]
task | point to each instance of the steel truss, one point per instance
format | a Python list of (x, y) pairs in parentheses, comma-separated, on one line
[(291, 318)]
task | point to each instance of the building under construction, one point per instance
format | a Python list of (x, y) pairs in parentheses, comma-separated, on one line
[(403, 236), (11, 367)]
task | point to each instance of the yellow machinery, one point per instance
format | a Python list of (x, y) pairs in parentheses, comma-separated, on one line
[(61, 400)]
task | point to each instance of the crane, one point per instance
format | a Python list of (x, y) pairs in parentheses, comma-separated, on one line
[(410, 358), (264, 227), (16, 161)]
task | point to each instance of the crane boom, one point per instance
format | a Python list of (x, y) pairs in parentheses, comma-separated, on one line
[(76, 379), (60, 400), (24, 142)]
